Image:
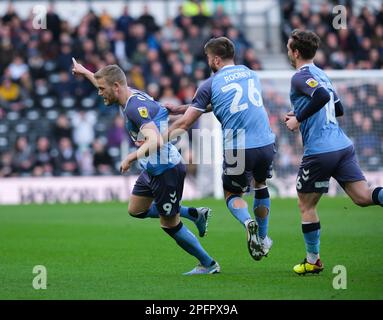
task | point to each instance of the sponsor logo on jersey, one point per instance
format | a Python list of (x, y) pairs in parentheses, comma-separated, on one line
[(143, 112), (312, 82)]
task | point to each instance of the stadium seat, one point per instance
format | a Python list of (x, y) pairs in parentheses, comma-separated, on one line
[(41, 91), (4, 143), (71, 113), (42, 126), (33, 115), (114, 152), (29, 103), (68, 102), (374, 163), (88, 103), (54, 78), (13, 116), (3, 128), (48, 102), (52, 115), (50, 66), (103, 139), (21, 128), (100, 128)]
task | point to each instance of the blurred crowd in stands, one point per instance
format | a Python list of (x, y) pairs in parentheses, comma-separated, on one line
[(54, 124), (362, 122), (359, 45)]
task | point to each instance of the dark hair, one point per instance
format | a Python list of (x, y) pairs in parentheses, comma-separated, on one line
[(221, 47), (306, 42)]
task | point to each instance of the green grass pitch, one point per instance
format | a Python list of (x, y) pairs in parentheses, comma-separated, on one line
[(97, 251)]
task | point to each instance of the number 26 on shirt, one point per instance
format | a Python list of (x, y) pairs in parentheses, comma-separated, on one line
[(254, 96)]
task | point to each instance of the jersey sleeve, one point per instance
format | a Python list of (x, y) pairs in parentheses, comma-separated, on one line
[(202, 98), (137, 111), (336, 98), (305, 83)]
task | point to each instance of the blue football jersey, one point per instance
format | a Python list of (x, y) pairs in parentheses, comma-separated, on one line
[(139, 110), (320, 132), (234, 93)]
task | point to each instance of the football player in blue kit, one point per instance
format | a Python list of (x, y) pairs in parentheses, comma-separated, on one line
[(233, 94), (328, 152), (158, 190)]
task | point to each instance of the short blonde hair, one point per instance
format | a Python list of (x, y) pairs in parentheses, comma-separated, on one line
[(111, 74)]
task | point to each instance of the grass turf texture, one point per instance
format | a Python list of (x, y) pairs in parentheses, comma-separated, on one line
[(97, 251)]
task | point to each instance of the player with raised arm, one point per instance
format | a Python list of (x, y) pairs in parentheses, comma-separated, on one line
[(158, 190), (328, 152), (233, 93)]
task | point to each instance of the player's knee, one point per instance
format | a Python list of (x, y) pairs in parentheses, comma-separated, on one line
[(138, 215), (305, 207), (132, 212), (362, 200), (237, 203), (259, 185), (169, 221), (133, 209), (302, 206)]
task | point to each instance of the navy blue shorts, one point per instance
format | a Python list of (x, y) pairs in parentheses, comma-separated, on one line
[(240, 166), (166, 189), (316, 170)]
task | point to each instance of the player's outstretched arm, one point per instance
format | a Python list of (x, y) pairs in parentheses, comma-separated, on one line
[(176, 110), (79, 69), (182, 124)]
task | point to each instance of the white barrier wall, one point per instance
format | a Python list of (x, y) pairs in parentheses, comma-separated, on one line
[(100, 189), (73, 189)]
